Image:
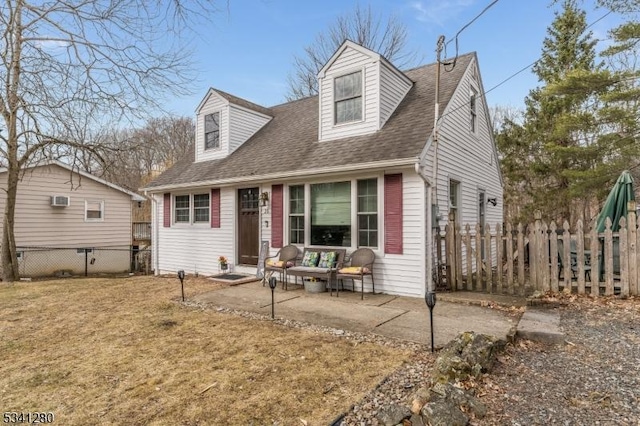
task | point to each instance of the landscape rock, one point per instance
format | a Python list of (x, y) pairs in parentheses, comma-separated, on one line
[(416, 420), (419, 398), (468, 355), (393, 414), (460, 398), (443, 413)]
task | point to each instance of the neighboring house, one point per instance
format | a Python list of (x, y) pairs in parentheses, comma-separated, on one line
[(352, 167), (68, 220)]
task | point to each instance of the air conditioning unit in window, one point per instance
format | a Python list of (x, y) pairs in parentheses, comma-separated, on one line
[(59, 200)]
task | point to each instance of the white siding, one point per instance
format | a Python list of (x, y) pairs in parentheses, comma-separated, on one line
[(404, 274), (350, 60), (467, 157), (393, 88), (39, 224), (214, 103), (242, 125), (196, 247)]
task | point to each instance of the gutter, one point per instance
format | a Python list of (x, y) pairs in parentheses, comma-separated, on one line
[(288, 174)]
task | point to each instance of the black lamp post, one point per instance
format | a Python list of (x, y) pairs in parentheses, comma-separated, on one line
[(181, 277), (272, 286), (430, 299)]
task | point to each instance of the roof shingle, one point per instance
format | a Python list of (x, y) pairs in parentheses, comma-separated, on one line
[(289, 142)]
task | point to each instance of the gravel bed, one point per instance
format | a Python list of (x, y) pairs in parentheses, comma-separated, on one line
[(594, 379)]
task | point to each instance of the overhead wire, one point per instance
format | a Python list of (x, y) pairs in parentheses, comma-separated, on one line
[(464, 27), (483, 94)]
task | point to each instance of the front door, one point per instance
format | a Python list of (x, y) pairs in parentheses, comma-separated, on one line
[(248, 226)]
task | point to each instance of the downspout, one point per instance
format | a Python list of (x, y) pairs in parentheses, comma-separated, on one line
[(429, 284), (154, 234)]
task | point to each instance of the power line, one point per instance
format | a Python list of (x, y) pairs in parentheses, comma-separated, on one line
[(464, 27), (464, 105)]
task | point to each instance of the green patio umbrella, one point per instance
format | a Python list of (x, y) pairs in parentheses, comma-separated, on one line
[(616, 205)]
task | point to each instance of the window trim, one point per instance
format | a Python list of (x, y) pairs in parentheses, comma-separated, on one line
[(290, 215), (194, 208), (191, 209), (359, 214), (86, 210), (335, 101), (473, 110), (379, 249), (458, 194), (174, 209), (204, 128)]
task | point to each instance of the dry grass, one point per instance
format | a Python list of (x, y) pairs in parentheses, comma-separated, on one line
[(123, 351)]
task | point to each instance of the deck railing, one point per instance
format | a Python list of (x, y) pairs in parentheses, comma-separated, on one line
[(141, 231)]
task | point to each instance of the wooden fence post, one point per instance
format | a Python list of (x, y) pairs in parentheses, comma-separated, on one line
[(520, 244), (608, 258), (632, 248), (566, 257), (580, 256), (499, 257), (450, 255), (553, 254), (533, 257), (487, 258), (479, 286), (509, 237), (624, 259), (543, 256), (469, 256), (595, 260), (458, 246)]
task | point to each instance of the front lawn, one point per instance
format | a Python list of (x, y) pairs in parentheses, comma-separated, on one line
[(125, 351)]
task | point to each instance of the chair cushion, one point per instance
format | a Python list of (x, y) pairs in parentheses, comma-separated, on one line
[(278, 263), (310, 258), (327, 259), (354, 270)]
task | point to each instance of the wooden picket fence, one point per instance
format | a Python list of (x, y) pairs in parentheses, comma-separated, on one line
[(520, 260)]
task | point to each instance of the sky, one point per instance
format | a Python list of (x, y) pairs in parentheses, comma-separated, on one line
[(247, 48)]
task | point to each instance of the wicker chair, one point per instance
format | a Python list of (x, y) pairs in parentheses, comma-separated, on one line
[(363, 259), (287, 255)]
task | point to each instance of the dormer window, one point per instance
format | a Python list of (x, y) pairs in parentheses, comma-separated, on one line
[(212, 131), (348, 98)]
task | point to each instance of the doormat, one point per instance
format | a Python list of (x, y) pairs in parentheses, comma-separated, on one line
[(234, 279)]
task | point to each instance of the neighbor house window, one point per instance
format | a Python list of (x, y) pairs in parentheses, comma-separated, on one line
[(201, 208), (454, 199), (368, 213), (93, 211), (348, 97), (331, 214), (84, 250), (181, 209), (296, 214), (473, 109), (212, 131)]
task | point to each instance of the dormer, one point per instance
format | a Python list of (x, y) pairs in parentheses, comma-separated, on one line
[(224, 122), (358, 91)]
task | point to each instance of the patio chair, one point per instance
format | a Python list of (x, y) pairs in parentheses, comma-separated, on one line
[(574, 261), (360, 265), (283, 260)]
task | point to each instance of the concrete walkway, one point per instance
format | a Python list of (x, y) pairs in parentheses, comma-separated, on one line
[(404, 318)]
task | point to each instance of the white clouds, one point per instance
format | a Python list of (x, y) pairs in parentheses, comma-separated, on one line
[(438, 12)]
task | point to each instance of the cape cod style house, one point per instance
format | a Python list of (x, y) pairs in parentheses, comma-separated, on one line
[(355, 166)]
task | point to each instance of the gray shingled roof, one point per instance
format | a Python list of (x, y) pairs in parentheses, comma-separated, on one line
[(289, 142)]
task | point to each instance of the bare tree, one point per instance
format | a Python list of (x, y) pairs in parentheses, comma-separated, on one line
[(361, 26), (68, 67)]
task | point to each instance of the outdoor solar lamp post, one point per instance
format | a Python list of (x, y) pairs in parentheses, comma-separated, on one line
[(272, 286), (430, 298), (181, 277)]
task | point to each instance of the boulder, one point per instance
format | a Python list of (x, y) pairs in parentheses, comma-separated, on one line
[(468, 355), (443, 413), (393, 414), (459, 398)]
